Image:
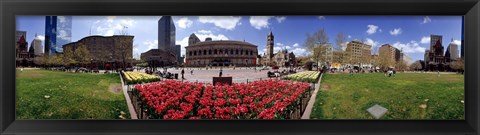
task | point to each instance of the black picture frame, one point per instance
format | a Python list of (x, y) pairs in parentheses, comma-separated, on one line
[(469, 8)]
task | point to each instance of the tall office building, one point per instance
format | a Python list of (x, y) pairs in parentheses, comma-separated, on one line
[(178, 50), (433, 41), (50, 34), (452, 51), (58, 32), (166, 34), (37, 45), (64, 31)]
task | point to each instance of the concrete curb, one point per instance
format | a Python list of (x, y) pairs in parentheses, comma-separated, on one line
[(133, 114), (311, 102)]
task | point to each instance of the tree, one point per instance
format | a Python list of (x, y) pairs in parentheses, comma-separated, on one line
[(315, 42), (458, 65), (341, 41), (401, 65), (82, 55), (385, 61), (417, 65), (41, 60), (69, 57), (124, 51)]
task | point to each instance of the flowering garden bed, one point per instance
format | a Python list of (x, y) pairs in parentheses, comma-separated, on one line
[(266, 99), (306, 76), (138, 77)]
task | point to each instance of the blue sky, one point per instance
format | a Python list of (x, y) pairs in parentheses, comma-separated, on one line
[(409, 33)]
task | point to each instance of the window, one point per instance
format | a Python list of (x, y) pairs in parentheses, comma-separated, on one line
[(236, 51), (190, 54), (226, 51), (231, 51), (251, 52), (204, 52), (215, 52), (210, 52), (195, 53), (241, 52)]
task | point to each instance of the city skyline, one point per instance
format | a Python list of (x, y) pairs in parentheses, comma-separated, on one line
[(408, 33)]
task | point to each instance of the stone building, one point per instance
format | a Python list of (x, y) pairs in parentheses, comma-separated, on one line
[(106, 49), (358, 53), (220, 53), (23, 56), (436, 59)]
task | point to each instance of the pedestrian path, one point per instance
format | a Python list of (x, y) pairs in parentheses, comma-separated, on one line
[(311, 102), (133, 114)]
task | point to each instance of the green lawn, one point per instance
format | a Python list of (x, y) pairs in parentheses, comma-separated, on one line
[(43, 94), (342, 96)]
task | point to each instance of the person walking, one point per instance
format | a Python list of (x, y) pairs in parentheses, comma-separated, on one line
[(191, 72), (183, 72), (220, 74)]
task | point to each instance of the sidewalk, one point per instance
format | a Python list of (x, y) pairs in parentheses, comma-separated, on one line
[(311, 102)]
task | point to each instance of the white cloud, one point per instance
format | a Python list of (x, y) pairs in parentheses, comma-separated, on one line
[(426, 19), (41, 37), (280, 19), (321, 17), (458, 42), (349, 36), (259, 22), (205, 31), (225, 22), (184, 23), (300, 52), (396, 32), (112, 26), (371, 42), (295, 45), (280, 44), (150, 44), (63, 35), (62, 19), (425, 40), (344, 46), (372, 29), (410, 47)]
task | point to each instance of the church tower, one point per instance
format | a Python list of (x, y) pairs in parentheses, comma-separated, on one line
[(270, 47)]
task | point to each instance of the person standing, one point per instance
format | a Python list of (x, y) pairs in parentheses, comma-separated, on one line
[(191, 72), (183, 72), (220, 74)]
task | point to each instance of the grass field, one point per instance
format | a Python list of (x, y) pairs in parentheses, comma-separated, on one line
[(406, 96), (43, 94)]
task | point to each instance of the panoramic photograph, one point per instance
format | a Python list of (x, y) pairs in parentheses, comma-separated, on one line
[(240, 67)]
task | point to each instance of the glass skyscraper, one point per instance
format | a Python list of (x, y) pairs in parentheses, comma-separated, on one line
[(166, 34), (50, 34), (58, 32), (64, 31)]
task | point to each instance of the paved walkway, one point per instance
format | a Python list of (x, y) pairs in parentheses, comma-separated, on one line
[(133, 114), (311, 102)]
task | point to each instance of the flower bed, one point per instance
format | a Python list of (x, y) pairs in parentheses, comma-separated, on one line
[(137, 77), (267, 99), (306, 76)]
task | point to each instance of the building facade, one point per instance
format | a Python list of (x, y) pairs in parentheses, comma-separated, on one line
[(158, 58), (221, 53), (284, 59), (113, 50), (23, 56), (436, 58), (391, 52), (452, 52), (358, 53), (37, 46)]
